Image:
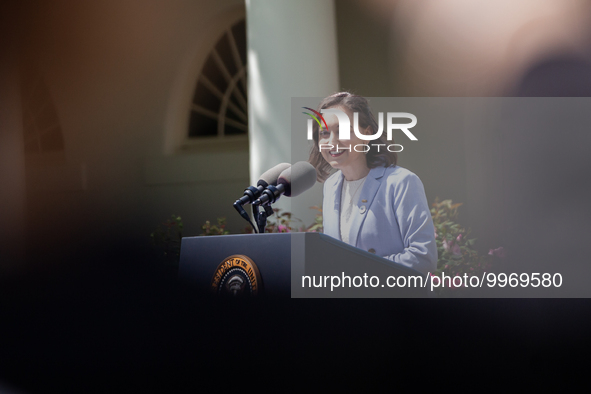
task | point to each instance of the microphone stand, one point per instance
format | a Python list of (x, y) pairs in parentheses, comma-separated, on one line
[(238, 206), (261, 216), (268, 197)]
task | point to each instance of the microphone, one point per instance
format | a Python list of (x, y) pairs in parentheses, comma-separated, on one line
[(269, 177), (251, 193), (292, 181)]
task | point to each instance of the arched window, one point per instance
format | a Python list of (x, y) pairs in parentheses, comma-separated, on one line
[(219, 109)]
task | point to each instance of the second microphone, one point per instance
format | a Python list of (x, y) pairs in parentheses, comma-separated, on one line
[(291, 182)]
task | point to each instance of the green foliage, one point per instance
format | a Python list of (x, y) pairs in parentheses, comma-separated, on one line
[(454, 245), (286, 222), (212, 229), (167, 238), (317, 227), (283, 222)]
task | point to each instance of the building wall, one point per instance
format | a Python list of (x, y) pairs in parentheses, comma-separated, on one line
[(121, 76), (12, 161)]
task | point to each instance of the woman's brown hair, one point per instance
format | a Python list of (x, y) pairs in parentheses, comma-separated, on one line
[(360, 105)]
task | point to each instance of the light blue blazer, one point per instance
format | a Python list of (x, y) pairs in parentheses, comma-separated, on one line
[(391, 218)]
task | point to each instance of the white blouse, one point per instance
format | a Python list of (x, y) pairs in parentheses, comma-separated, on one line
[(349, 196)]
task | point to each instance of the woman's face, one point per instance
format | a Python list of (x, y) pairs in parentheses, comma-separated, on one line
[(341, 158)]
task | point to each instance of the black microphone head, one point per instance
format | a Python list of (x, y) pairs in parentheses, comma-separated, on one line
[(298, 178), (270, 176)]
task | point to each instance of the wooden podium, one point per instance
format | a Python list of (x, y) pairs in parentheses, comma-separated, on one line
[(300, 265)]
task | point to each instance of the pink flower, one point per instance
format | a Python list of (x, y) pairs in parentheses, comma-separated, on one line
[(447, 245), (283, 229), (435, 234), (498, 252), (450, 246), (459, 238)]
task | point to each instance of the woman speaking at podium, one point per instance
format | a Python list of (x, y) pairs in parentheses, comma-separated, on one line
[(370, 202)]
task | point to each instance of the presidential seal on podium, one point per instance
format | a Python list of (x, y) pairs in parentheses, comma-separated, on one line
[(237, 275)]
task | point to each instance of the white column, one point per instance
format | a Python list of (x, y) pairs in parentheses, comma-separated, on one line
[(292, 52)]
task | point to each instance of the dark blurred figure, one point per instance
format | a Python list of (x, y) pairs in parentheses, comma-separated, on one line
[(546, 168), (559, 76)]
